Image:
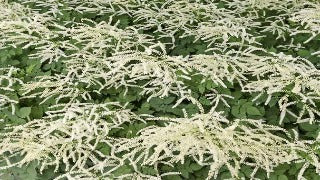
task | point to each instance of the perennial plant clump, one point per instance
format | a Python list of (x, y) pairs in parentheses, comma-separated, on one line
[(163, 89)]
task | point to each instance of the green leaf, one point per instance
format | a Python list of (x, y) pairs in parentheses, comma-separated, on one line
[(237, 95), (122, 170), (15, 120), (24, 112), (105, 150), (304, 53), (30, 68), (195, 167), (14, 62), (12, 52), (149, 170), (184, 173), (145, 109), (243, 110), (308, 127), (172, 177), (236, 112), (246, 170), (36, 112), (253, 111), (273, 177), (210, 84), (201, 88), (169, 100), (282, 177), (203, 100), (27, 172)]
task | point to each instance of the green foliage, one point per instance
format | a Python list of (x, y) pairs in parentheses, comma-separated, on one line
[(28, 172), (24, 112), (80, 39)]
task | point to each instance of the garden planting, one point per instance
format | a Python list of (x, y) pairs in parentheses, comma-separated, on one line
[(159, 89)]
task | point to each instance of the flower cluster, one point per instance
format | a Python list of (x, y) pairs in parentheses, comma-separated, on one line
[(103, 53)]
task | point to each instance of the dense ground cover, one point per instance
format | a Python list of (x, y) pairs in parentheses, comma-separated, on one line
[(163, 89)]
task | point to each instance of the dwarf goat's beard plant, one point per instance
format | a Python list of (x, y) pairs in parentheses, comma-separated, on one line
[(194, 89)]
